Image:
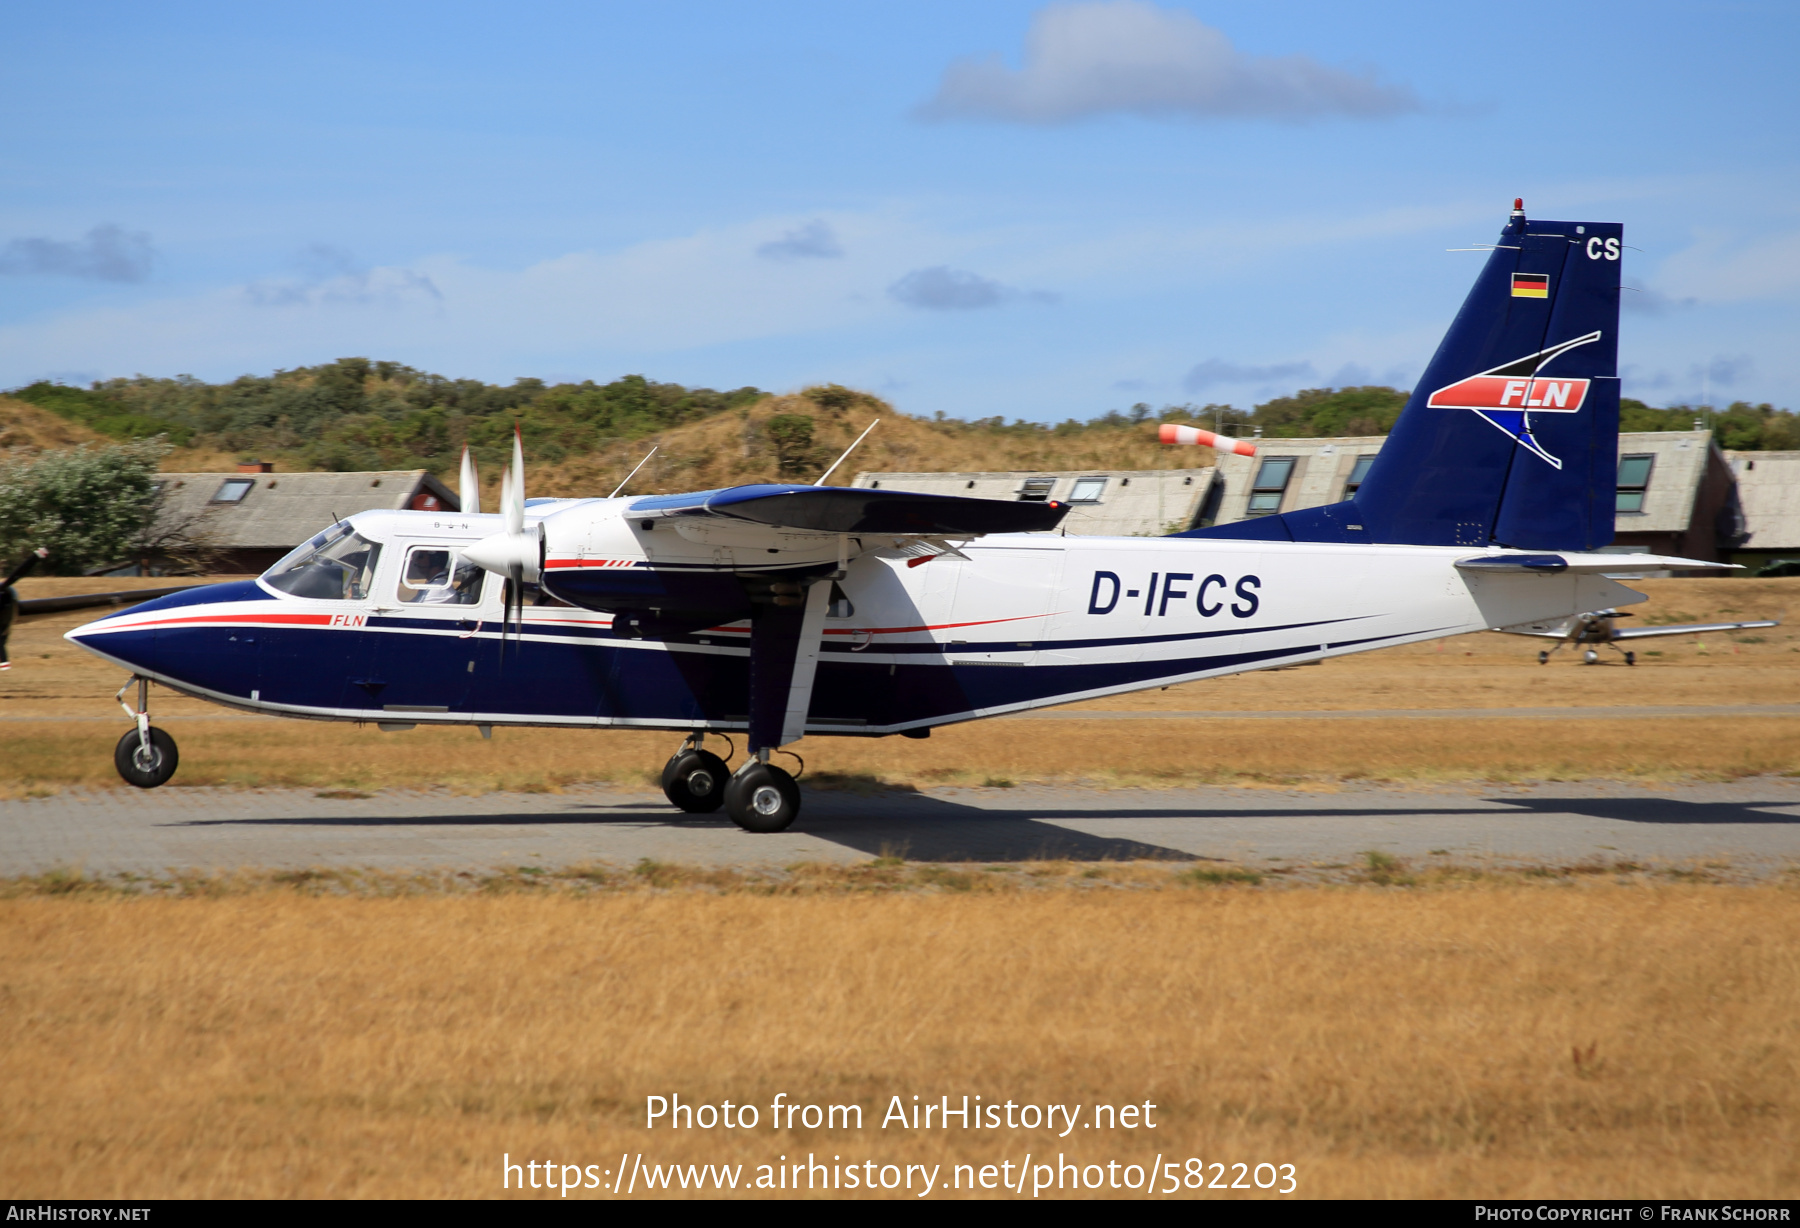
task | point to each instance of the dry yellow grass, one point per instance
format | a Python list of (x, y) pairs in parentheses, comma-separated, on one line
[(1602, 1041), (733, 447), (54, 681), (25, 426)]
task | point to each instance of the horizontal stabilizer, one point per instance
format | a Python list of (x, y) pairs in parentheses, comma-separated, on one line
[(1645, 633), (845, 509), (1605, 564)]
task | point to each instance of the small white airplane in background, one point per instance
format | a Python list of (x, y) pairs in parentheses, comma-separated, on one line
[(1597, 629)]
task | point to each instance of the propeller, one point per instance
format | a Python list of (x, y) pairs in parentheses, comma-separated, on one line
[(512, 553), (468, 490)]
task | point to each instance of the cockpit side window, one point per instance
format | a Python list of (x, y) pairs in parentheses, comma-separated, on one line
[(337, 565), (438, 575)]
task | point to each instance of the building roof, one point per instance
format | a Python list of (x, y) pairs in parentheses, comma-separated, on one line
[(1769, 488), (281, 510), (1124, 502), (1675, 477)]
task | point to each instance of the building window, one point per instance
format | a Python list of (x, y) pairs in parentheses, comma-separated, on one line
[(233, 490), (1036, 490), (1358, 474), (1634, 481), (1271, 484), (1087, 490)]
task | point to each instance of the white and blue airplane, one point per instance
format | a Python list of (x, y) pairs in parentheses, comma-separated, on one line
[(777, 612)]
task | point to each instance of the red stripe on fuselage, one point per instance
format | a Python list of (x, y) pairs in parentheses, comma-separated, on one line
[(274, 620)]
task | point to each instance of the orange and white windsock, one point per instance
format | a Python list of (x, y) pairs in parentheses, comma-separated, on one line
[(1171, 433)]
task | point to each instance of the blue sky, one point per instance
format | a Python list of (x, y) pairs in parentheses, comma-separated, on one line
[(1033, 210)]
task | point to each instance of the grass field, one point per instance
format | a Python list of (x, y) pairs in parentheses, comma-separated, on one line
[(43, 747), (1482, 1039), (1586, 1031)]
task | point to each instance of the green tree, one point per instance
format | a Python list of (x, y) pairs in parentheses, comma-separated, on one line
[(792, 435), (91, 506)]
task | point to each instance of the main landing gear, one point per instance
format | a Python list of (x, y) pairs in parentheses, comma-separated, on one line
[(146, 756), (759, 796), (694, 779)]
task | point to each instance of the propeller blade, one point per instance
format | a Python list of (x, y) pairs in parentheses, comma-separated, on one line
[(468, 491), (515, 496)]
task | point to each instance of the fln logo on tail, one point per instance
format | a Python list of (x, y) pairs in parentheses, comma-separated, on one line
[(1507, 395)]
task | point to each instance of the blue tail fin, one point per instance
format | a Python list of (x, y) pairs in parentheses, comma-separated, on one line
[(1512, 435)]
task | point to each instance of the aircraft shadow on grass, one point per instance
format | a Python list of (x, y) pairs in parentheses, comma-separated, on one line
[(924, 828)]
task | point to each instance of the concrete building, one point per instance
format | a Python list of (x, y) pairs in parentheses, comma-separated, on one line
[(1110, 503), (1768, 492), (249, 519)]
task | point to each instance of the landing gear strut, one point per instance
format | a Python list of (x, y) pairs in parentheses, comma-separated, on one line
[(694, 779), (146, 756)]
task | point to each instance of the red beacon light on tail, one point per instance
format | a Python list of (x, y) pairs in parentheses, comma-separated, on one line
[(1169, 432)]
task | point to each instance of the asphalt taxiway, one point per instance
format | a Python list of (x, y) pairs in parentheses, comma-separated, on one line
[(1754, 825)]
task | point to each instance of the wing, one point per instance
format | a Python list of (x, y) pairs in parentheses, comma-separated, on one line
[(1542, 631), (845, 509), (1645, 633)]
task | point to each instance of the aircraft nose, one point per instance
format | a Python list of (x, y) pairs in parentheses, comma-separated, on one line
[(133, 648)]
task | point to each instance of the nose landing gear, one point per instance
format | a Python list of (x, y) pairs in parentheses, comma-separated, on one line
[(146, 756)]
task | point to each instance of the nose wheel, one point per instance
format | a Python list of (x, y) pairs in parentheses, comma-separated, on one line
[(146, 761), (145, 757)]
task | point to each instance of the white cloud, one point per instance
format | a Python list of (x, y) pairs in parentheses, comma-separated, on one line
[(1129, 56), (333, 277), (105, 253), (1723, 269), (815, 240), (941, 288), (1215, 372)]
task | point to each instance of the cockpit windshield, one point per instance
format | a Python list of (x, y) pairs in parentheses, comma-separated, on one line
[(337, 565)]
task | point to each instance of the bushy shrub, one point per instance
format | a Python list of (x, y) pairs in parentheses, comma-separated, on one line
[(90, 506)]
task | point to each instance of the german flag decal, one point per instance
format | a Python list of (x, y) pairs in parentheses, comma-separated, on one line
[(1531, 285)]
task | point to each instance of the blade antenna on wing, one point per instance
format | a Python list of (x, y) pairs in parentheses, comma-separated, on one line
[(633, 473), (847, 451)]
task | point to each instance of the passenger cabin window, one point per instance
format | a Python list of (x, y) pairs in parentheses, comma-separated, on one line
[(436, 575), (232, 490), (1036, 490), (1634, 481), (1087, 490), (1271, 484), (1358, 474), (337, 565)]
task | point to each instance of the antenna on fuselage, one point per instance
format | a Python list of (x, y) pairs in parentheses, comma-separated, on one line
[(633, 473), (847, 451)]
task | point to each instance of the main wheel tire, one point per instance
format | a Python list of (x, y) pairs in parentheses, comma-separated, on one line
[(146, 769), (762, 798), (1543, 658), (694, 780), (1631, 658)]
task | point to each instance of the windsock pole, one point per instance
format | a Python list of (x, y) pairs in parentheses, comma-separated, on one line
[(1169, 432)]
